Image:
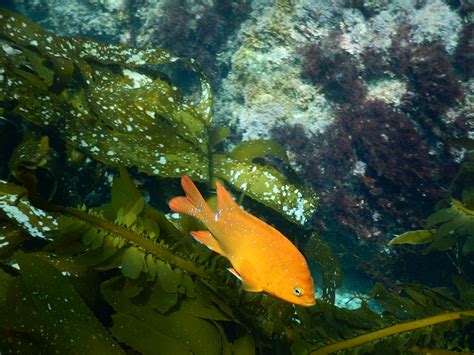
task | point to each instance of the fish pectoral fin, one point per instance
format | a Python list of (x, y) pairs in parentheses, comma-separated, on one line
[(250, 279), (206, 238), (250, 286)]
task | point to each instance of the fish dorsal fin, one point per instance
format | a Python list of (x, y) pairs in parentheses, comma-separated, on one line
[(206, 238), (250, 279), (224, 199)]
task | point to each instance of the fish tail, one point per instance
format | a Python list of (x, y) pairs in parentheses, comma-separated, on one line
[(193, 204)]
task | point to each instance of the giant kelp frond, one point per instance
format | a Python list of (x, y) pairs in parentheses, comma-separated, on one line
[(417, 317), (393, 330), (43, 304), (318, 251), (110, 102), (158, 306), (117, 105)]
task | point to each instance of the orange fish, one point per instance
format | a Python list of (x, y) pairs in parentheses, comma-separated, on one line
[(261, 257)]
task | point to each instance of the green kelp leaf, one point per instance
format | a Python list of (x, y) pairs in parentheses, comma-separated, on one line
[(249, 150), (130, 218), (393, 304), (5, 281), (133, 262), (189, 285), (202, 309), (244, 345), (205, 102), (151, 228), (217, 134), (31, 154), (11, 237), (167, 277), (19, 314), (318, 251), (17, 209), (413, 237), (66, 265), (468, 246), (68, 324), (441, 216), (468, 197), (67, 238), (161, 300), (124, 193), (168, 230), (448, 233), (141, 335), (466, 290), (93, 257), (118, 109), (267, 186), (452, 223), (207, 296), (133, 287), (161, 119), (197, 335), (90, 236)]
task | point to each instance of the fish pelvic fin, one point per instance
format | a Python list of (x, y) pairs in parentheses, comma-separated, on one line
[(206, 238), (235, 273), (193, 204)]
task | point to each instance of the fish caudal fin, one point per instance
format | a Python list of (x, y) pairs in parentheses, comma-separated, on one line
[(206, 238), (193, 204)]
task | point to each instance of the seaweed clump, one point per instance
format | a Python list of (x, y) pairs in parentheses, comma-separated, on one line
[(381, 148), (200, 35), (452, 225), (464, 55), (328, 65), (433, 85)]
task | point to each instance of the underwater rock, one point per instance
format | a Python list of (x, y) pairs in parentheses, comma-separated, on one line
[(263, 87), (100, 19), (196, 29)]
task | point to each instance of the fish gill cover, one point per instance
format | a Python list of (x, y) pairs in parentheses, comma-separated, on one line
[(123, 275)]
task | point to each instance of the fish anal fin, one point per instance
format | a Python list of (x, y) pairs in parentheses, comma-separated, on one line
[(206, 238), (250, 279)]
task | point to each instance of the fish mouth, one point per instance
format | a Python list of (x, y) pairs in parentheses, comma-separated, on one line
[(309, 304)]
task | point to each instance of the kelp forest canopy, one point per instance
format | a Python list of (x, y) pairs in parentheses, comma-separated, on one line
[(93, 139)]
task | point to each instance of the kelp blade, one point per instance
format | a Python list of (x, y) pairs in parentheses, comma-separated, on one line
[(69, 325), (121, 116)]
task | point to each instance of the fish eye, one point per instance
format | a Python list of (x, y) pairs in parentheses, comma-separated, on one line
[(297, 291)]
